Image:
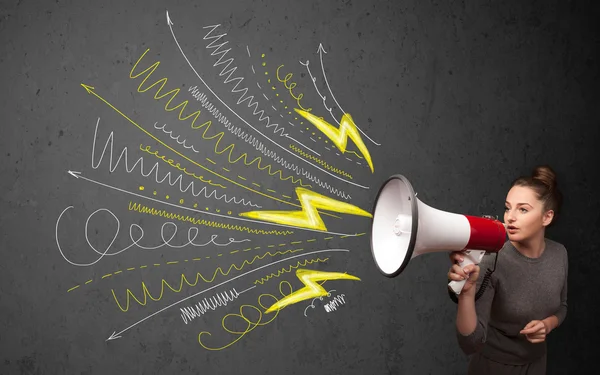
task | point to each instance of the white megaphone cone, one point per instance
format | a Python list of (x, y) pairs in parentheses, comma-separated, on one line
[(403, 227)]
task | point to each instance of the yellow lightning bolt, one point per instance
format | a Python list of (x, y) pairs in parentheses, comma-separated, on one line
[(309, 216), (339, 136), (312, 289)]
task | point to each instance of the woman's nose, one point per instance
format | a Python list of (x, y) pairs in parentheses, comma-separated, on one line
[(510, 216)]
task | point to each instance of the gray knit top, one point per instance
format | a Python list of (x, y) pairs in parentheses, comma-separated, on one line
[(521, 289)]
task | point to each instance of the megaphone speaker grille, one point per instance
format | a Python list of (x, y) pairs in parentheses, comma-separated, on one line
[(394, 225)]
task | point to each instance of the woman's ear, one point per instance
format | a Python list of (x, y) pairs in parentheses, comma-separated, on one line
[(547, 218)]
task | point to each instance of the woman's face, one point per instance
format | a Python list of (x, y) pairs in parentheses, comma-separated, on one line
[(524, 214)]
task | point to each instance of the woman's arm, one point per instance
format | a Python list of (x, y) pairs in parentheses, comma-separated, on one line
[(472, 316), (466, 314), (559, 316)]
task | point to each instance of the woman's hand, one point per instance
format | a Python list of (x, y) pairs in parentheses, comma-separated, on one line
[(535, 331), (469, 272)]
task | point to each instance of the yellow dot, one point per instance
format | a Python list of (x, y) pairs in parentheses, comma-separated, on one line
[(269, 80), (195, 205), (290, 113), (306, 128), (229, 212), (263, 55), (167, 197), (281, 101), (326, 141), (286, 107), (319, 137), (218, 210), (273, 87), (141, 188), (206, 208), (276, 94), (154, 193), (313, 133), (301, 122), (264, 64), (295, 118), (266, 73), (181, 201)]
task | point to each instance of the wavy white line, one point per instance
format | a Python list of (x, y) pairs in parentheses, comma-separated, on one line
[(192, 234), (170, 24), (155, 169), (259, 146)]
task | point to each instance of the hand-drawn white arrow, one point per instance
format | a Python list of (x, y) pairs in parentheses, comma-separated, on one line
[(170, 23), (79, 176), (116, 335), (321, 50)]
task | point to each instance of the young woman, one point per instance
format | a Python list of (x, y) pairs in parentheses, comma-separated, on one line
[(505, 330)]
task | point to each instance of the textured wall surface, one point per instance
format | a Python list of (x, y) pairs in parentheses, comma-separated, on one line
[(459, 96)]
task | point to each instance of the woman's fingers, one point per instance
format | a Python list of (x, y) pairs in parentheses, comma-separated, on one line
[(458, 273), (456, 256)]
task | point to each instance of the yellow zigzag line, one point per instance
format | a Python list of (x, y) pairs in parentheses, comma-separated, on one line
[(155, 212), (129, 293), (178, 166), (324, 164), (289, 269), (162, 82)]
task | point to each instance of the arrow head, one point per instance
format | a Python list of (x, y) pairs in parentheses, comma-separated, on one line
[(169, 22), (74, 174), (114, 336), (87, 88), (321, 49)]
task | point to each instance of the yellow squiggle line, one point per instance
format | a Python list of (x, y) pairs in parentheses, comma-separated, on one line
[(138, 207), (129, 293), (178, 166), (251, 324), (91, 91), (324, 164), (162, 82), (289, 269), (354, 152), (198, 259)]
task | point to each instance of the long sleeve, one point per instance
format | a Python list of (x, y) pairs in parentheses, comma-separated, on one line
[(474, 342), (520, 289), (561, 314)]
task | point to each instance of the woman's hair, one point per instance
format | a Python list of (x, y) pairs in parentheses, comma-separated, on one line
[(543, 182)]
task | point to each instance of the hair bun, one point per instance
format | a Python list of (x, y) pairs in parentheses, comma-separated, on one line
[(546, 175)]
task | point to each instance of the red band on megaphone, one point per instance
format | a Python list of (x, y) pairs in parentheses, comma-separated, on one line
[(486, 234)]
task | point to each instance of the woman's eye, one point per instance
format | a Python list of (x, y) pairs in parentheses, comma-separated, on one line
[(523, 210), (506, 208)]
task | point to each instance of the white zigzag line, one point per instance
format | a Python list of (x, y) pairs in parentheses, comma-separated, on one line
[(258, 145), (239, 80), (170, 24), (154, 169)]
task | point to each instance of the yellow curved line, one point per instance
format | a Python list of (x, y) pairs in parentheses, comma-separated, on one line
[(162, 82), (250, 324), (91, 91), (146, 292), (289, 269), (354, 152), (292, 243), (186, 218), (291, 87), (324, 164)]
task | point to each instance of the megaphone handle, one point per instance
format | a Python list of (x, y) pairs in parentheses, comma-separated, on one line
[(470, 257)]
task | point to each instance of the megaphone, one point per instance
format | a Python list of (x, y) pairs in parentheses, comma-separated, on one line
[(403, 228)]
